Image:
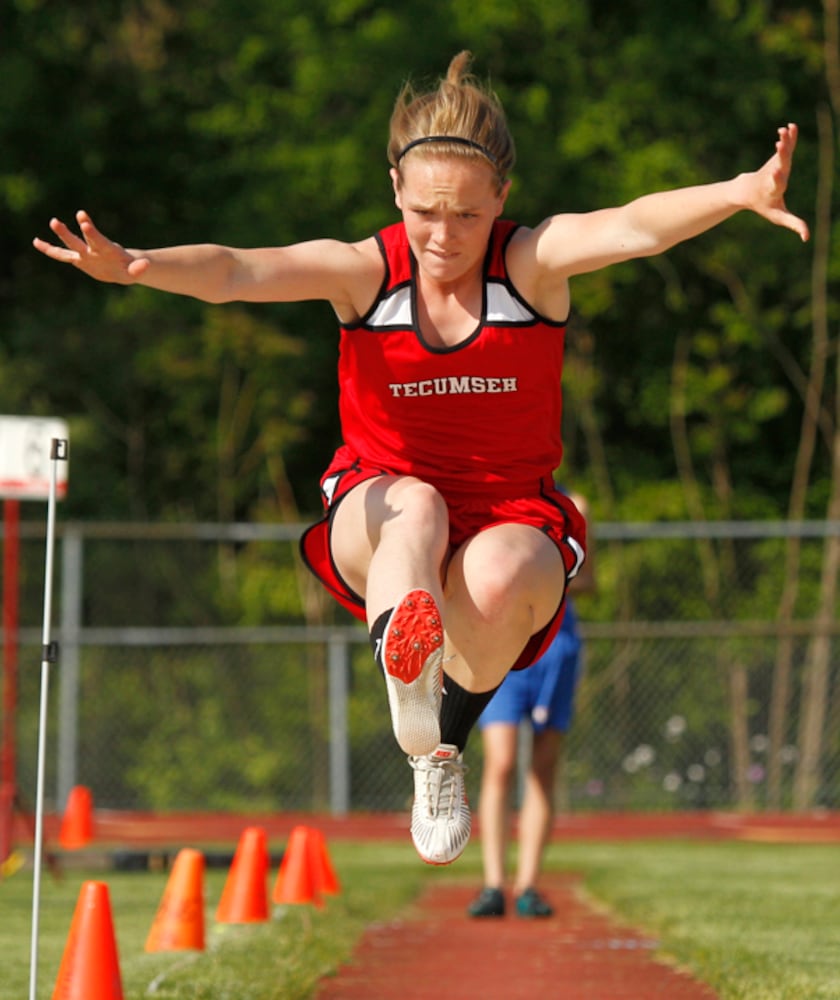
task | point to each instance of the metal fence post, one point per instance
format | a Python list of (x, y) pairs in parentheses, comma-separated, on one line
[(68, 676), (339, 665)]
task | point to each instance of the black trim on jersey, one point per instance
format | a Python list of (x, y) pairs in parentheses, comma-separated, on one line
[(415, 312), (383, 297), (380, 294), (514, 291), (384, 293), (347, 594), (552, 494), (344, 591), (482, 319)]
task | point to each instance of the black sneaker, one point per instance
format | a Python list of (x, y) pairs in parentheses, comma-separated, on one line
[(532, 904), (488, 903)]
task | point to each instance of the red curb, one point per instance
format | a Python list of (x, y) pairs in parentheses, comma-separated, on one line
[(137, 829), (437, 952)]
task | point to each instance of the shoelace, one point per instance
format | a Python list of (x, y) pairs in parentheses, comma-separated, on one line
[(439, 783)]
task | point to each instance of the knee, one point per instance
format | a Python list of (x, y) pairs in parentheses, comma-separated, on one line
[(507, 587), (497, 586), (546, 751), (498, 769), (419, 509)]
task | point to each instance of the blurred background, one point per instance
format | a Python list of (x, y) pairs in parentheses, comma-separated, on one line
[(200, 667)]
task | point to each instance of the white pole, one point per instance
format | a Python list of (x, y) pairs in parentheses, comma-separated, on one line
[(48, 655), (67, 747)]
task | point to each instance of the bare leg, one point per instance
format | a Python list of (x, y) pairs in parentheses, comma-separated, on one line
[(390, 542), (502, 586), (391, 535), (537, 809), (499, 739)]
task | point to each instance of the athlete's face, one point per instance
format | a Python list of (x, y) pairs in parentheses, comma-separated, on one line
[(448, 205)]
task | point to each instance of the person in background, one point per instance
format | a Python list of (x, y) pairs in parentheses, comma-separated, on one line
[(442, 529), (543, 697)]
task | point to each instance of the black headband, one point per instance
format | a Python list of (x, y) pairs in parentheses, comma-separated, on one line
[(448, 138)]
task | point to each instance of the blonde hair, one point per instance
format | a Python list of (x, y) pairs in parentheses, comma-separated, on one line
[(460, 118)]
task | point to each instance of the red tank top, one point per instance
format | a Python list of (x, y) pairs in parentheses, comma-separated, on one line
[(481, 417)]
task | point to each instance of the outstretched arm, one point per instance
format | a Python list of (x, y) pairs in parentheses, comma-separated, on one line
[(565, 245), (320, 269)]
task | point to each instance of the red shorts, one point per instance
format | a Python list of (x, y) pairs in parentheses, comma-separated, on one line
[(547, 509)]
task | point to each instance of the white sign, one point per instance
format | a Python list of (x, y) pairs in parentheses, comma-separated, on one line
[(26, 458)]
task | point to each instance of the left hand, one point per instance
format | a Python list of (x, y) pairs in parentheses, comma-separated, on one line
[(769, 183)]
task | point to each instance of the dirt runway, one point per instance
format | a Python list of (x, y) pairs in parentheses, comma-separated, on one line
[(436, 952)]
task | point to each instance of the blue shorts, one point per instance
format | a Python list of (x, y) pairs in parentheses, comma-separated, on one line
[(543, 693)]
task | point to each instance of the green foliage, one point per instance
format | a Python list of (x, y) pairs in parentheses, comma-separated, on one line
[(206, 732), (267, 124)]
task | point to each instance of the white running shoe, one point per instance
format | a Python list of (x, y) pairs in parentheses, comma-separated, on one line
[(440, 816), (412, 660)]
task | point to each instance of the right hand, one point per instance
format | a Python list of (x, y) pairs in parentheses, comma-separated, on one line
[(93, 253)]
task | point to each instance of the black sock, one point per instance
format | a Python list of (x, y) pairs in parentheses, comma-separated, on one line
[(377, 630), (459, 711)]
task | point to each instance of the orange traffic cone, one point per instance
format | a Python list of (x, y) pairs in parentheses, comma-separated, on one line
[(179, 922), (296, 878), (326, 880), (90, 968), (245, 895), (77, 822)]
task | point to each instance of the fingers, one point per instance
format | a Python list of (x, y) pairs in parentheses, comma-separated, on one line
[(67, 236), (785, 145), (788, 135), (138, 267), (73, 249), (780, 172), (56, 253), (89, 249), (799, 226), (88, 229), (782, 217)]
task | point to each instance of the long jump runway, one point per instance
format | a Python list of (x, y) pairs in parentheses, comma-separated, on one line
[(436, 952)]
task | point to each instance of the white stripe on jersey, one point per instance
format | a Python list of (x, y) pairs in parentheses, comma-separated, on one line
[(393, 310), (503, 308)]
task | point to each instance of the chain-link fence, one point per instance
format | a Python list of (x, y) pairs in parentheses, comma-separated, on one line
[(188, 678)]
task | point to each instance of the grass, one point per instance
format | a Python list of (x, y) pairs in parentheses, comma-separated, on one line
[(755, 921), (282, 958)]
